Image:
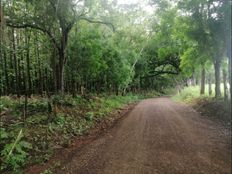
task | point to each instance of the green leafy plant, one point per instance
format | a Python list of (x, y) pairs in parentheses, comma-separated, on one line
[(15, 153), (60, 120), (89, 116)]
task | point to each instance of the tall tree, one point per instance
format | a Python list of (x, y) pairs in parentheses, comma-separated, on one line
[(55, 18)]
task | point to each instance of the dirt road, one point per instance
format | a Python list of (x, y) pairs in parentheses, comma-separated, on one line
[(159, 136)]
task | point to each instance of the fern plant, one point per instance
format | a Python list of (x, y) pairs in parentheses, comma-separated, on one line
[(14, 154)]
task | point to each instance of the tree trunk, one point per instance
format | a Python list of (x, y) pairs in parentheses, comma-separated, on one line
[(6, 73), (62, 60), (217, 65), (64, 47), (27, 41), (60, 73), (210, 84), (229, 67), (2, 88), (202, 79), (40, 78), (11, 67), (225, 84), (15, 63), (228, 38), (45, 80)]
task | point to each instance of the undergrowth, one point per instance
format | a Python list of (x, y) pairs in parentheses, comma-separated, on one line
[(189, 94), (50, 123), (215, 109)]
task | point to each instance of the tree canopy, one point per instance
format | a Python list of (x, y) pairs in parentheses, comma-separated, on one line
[(108, 46)]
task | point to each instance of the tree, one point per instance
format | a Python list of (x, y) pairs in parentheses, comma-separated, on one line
[(55, 18)]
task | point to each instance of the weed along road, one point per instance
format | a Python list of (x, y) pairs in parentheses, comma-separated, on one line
[(158, 136)]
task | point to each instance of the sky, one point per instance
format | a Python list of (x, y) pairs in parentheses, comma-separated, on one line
[(143, 3), (127, 1)]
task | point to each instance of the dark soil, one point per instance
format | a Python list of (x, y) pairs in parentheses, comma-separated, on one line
[(217, 110)]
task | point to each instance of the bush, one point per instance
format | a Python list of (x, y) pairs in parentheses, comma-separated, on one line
[(187, 94)]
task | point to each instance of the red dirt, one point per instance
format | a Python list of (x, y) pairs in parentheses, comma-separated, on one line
[(158, 136)]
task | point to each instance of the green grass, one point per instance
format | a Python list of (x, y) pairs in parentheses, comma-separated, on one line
[(187, 94), (192, 92), (108, 104)]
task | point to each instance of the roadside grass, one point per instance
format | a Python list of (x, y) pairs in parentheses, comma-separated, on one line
[(188, 94), (32, 137), (218, 110)]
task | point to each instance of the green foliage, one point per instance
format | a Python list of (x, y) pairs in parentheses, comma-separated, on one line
[(188, 94), (110, 103), (60, 120), (7, 103), (61, 100), (89, 116), (14, 154), (50, 44), (3, 134), (33, 106), (37, 119)]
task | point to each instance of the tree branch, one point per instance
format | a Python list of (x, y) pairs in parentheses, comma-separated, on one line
[(160, 72), (98, 22), (33, 26)]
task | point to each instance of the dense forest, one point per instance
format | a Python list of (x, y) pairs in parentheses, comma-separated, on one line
[(98, 46), (51, 50)]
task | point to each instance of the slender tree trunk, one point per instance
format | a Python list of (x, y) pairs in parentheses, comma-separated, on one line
[(3, 59), (229, 67), (15, 64), (217, 65), (193, 79), (38, 67), (21, 68), (61, 78), (228, 38), (2, 88), (210, 84), (45, 80), (11, 66), (202, 79), (23, 77), (225, 84), (27, 41), (6, 73), (41, 82)]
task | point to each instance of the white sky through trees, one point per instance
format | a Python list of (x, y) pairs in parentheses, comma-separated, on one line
[(127, 1), (143, 3)]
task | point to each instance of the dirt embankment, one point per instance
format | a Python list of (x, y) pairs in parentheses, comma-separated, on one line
[(216, 110)]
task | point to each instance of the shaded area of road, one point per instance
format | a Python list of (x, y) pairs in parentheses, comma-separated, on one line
[(159, 136)]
